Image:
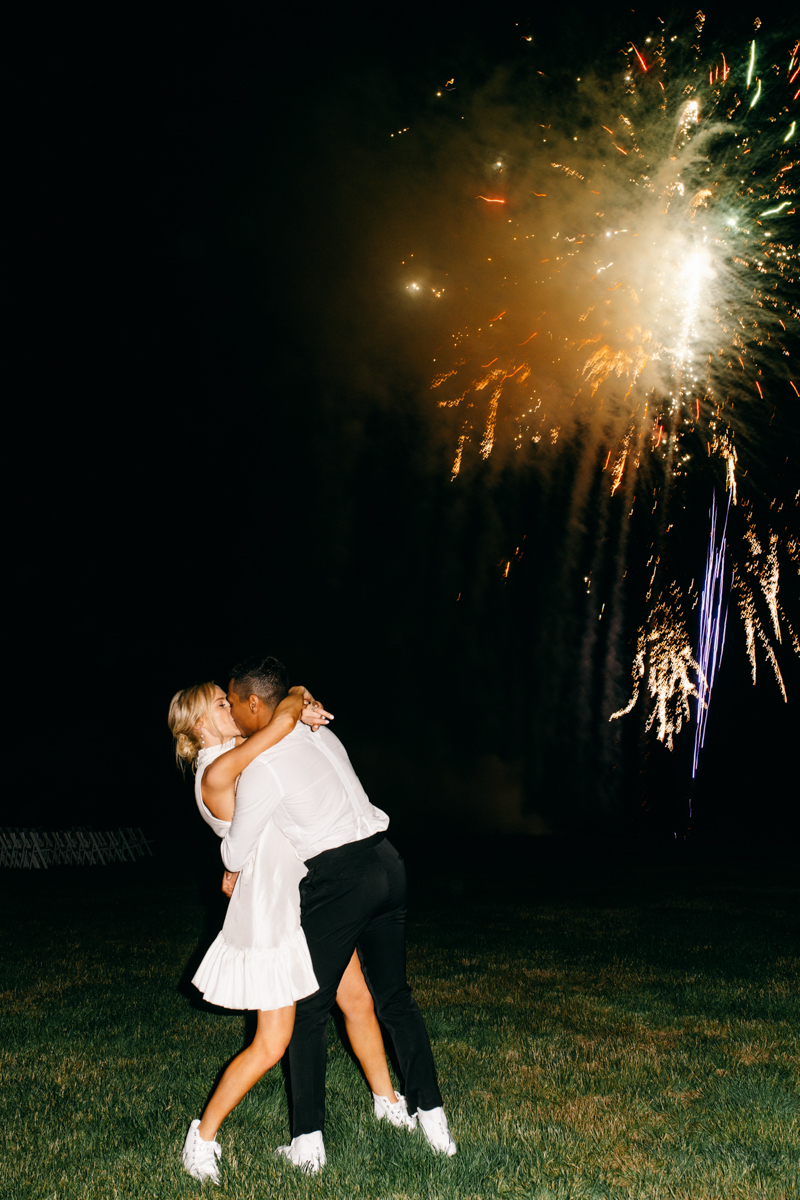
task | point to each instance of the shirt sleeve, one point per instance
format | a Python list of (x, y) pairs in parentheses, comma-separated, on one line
[(258, 795)]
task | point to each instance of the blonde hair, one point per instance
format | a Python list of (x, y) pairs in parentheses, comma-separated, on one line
[(186, 708)]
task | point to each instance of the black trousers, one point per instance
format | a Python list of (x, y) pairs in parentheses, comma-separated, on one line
[(353, 896)]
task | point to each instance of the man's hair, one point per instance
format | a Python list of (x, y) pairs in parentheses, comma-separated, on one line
[(263, 677)]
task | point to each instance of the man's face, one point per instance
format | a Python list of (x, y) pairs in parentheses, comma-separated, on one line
[(241, 712)]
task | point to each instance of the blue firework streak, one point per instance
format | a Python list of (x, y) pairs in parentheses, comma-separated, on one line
[(713, 623)]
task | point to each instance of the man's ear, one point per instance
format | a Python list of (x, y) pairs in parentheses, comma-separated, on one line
[(254, 702)]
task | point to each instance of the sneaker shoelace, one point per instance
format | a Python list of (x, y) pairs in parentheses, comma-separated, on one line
[(205, 1153)]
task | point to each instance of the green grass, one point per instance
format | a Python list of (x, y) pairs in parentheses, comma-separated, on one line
[(637, 1040)]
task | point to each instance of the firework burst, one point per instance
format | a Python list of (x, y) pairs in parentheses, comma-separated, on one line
[(638, 292)]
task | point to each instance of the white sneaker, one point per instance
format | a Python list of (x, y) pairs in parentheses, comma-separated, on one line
[(306, 1152), (433, 1124), (396, 1113), (200, 1157)]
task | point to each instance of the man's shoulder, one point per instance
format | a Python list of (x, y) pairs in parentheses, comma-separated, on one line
[(327, 740), (294, 742)]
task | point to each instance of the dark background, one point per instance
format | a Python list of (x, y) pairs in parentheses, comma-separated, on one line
[(204, 463)]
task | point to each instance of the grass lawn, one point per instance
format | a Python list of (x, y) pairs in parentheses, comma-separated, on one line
[(626, 1032)]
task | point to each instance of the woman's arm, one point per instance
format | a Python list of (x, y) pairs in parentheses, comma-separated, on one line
[(219, 778)]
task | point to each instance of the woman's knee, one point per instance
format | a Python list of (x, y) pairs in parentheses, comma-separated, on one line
[(265, 1053), (273, 1034), (356, 1003)]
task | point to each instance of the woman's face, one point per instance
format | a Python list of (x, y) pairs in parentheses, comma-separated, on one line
[(220, 713)]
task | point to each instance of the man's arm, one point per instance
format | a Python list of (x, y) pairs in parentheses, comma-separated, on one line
[(257, 796)]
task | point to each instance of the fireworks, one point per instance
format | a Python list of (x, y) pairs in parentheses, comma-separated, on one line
[(760, 572), (664, 659), (646, 295), (712, 626)]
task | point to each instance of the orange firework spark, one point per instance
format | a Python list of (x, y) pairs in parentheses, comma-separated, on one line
[(641, 60), (664, 659), (489, 200)]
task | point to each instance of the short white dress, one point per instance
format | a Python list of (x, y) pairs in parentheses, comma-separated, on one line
[(260, 958)]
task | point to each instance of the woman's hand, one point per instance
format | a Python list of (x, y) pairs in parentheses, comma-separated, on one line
[(313, 713)]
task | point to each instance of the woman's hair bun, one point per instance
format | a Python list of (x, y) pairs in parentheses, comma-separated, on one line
[(186, 709)]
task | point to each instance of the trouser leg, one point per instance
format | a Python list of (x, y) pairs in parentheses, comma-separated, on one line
[(382, 950), (357, 899), (308, 1049), (334, 907)]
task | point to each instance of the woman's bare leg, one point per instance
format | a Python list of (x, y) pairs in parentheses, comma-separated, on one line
[(355, 1000), (273, 1033)]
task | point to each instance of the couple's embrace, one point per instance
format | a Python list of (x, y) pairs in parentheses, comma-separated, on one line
[(317, 912)]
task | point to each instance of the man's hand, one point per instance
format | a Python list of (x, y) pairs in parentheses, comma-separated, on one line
[(229, 882)]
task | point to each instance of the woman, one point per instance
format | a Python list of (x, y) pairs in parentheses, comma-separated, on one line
[(260, 959)]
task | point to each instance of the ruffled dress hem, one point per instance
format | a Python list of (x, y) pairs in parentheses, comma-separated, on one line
[(243, 977)]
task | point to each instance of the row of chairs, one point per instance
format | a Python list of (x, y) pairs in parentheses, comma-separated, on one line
[(31, 848)]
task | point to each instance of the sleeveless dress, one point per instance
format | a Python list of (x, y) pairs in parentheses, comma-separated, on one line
[(260, 958)]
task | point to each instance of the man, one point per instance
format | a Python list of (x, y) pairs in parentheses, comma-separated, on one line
[(353, 895)]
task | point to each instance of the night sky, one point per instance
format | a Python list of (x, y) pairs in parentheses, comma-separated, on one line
[(228, 443)]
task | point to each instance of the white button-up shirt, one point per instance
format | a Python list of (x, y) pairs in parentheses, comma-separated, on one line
[(308, 787)]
